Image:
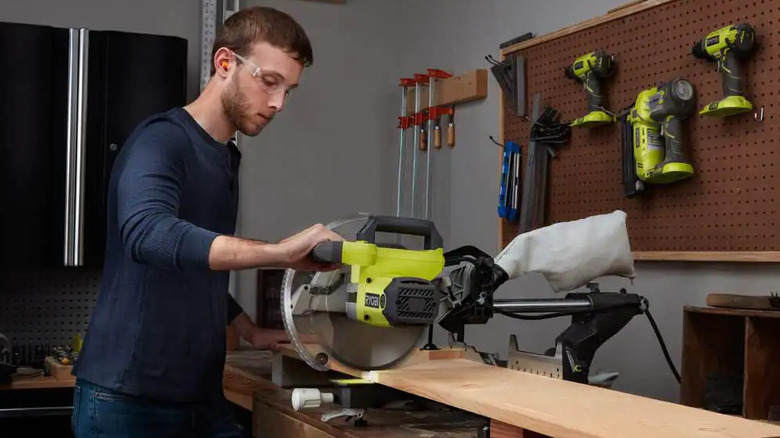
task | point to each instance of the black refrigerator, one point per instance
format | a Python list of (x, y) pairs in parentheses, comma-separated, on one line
[(69, 98)]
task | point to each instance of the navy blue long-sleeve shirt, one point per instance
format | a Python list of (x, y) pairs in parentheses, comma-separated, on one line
[(159, 326)]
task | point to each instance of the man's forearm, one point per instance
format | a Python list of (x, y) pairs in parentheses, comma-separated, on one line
[(234, 253)]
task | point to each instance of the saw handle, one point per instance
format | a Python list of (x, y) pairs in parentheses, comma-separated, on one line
[(401, 225), (327, 252)]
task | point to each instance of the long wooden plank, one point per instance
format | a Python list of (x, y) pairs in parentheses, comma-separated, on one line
[(624, 6), (559, 408), (633, 9), (709, 256), (555, 407)]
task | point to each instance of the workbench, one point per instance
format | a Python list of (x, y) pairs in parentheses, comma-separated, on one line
[(36, 405), (247, 383)]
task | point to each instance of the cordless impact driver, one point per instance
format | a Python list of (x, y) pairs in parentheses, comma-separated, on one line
[(729, 47), (590, 70)]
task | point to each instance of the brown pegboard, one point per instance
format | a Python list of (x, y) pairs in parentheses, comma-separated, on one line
[(729, 205)]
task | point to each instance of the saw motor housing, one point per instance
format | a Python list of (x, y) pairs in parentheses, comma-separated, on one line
[(389, 286)]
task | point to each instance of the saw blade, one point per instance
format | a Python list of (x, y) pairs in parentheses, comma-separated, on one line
[(314, 314)]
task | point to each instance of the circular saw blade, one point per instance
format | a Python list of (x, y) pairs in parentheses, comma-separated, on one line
[(314, 314)]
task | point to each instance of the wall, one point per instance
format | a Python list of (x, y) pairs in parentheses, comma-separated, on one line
[(171, 17), (457, 34), (320, 159)]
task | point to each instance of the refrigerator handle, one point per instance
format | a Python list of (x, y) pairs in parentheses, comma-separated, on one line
[(81, 143), (70, 141)]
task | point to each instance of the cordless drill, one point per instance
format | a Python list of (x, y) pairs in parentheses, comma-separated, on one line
[(591, 69), (656, 120), (729, 47)]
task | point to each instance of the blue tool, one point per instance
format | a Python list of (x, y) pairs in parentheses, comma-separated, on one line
[(510, 171)]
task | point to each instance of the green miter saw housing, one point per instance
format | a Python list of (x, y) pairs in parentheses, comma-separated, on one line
[(389, 286), (374, 309)]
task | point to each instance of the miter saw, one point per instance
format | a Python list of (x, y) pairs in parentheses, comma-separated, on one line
[(373, 311)]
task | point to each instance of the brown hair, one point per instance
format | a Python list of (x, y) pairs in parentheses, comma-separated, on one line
[(255, 24)]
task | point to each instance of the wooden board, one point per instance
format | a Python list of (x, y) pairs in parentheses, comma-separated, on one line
[(555, 407), (58, 370), (466, 87), (733, 312), (246, 371), (618, 13), (710, 256), (736, 301), (503, 430)]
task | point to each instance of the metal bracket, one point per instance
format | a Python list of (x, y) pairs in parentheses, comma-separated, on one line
[(759, 115), (539, 364), (348, 413)]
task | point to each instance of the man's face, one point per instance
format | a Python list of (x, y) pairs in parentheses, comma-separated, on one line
[(258, 87)]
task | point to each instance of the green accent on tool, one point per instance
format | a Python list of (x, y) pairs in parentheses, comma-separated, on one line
[(656, 120), (590, 70), (389, 286), (729, 47)]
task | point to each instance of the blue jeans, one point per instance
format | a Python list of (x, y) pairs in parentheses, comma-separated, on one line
[(101, 412)]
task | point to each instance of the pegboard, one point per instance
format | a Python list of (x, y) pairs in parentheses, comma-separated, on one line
[(729, 205), (48, 307)]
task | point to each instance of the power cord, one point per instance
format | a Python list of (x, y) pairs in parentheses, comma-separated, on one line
[(663, 346)]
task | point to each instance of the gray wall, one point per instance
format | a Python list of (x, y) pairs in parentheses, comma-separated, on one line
[(170, 17), (320, 158)]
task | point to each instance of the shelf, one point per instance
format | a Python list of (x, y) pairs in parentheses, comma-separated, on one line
[(734, 353)]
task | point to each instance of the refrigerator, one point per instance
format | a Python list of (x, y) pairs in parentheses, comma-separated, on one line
[(69, 98)]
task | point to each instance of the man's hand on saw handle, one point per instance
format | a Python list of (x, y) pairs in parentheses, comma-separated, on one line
[(297, 248), (235, 253)]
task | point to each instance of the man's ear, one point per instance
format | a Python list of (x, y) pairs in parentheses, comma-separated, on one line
[(222, 58)]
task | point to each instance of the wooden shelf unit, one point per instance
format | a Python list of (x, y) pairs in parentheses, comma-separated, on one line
[(732, 344)]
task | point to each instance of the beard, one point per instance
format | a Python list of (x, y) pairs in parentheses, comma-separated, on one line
[(237, 110)]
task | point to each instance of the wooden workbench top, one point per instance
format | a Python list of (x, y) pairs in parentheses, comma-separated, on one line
[(555, 407), (247, 383), (39, 381)]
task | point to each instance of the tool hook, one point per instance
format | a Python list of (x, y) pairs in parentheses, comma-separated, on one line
[(494, 141), (759, 115)]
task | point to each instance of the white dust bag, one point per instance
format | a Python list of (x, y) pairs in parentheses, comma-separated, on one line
[(571, 254)]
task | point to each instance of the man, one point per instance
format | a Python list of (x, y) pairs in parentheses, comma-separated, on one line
[(153, 356)]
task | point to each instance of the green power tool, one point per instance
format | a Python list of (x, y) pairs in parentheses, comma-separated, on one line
[(373, 310), (591, 69), (729, 47), (389, 286), (656, 121)]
